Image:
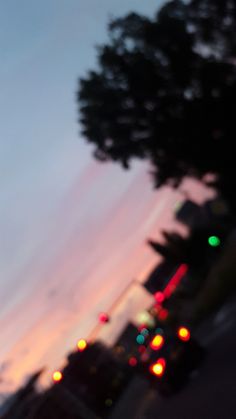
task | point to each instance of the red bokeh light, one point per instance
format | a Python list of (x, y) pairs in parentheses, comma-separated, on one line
[(103, 318), (163, 314), (159, 297), (142, 349), (141, 327), (133, 361), (144, 357)]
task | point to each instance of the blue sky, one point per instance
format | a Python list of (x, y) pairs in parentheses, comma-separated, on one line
[(45, 46), (70, 228)]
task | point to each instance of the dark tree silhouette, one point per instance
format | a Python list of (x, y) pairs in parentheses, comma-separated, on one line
[(193, 250), (165, 91)]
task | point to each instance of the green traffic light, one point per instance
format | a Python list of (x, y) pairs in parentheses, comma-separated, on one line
[(214, 241)]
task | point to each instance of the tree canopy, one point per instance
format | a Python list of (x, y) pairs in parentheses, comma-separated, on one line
[(165, 90)]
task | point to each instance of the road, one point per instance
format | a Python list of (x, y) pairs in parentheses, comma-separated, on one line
[(211, 393)]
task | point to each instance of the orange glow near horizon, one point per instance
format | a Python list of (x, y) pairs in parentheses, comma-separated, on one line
[(55, 306)]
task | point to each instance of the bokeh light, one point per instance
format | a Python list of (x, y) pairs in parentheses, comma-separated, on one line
[(144, 332), (57, 376), (214, 241), (163, 314), (142, 349), (157, 342), (159, 331), (140, 339), (184, 334), (145, 318), (82, 345), (158, 368), (103, 318), (108, 402), (133, 361), (159, 297)]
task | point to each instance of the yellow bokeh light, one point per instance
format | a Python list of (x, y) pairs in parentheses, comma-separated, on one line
[(158, 369), (57, 376), (157, 342), (82, 344), (184, 333)]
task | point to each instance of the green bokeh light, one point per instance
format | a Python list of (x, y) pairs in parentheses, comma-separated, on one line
[(108, 402), (214, 241), (159, 331), (140, 339), (144, 332)]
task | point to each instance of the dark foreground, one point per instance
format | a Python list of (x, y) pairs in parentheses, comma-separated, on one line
[(211, 392)]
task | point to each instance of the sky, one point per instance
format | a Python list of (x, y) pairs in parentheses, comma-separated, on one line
[(72, 231)]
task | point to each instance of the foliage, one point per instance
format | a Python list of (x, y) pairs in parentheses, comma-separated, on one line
[(165, 91)]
